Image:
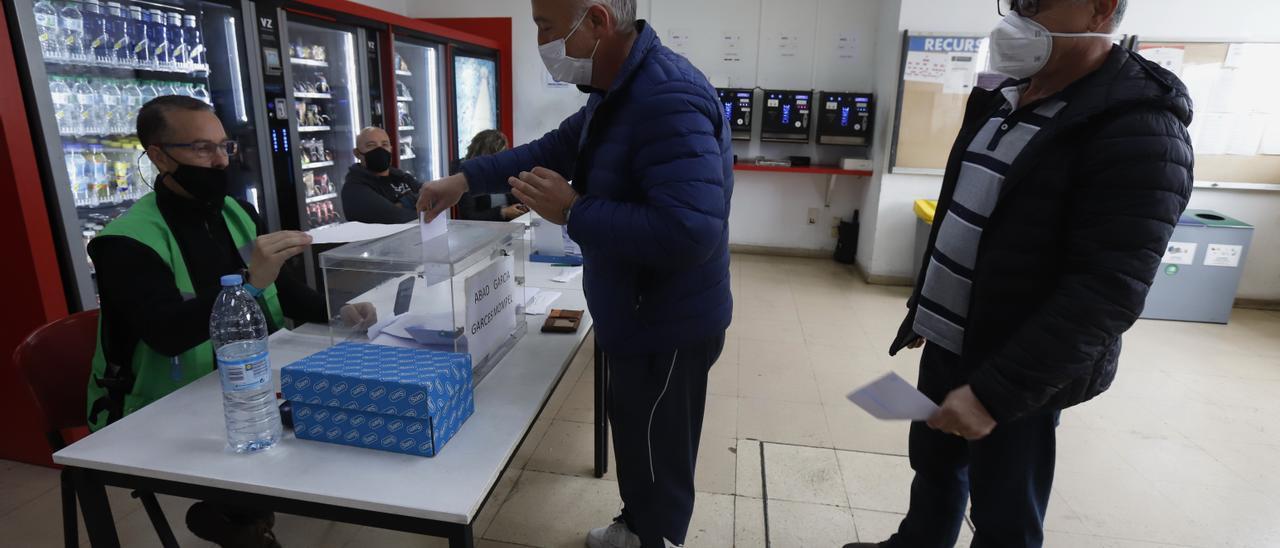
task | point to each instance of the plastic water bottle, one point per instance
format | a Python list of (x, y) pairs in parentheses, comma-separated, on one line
[(47, 30), (73, 156), (110, 113), (100, 169), (117, 24), (198, 91), (130, 103), (71, 22), (177, 46), (195, 43), (64, 104), (149, 92), (138, 26), (86, 107), (169, 88), (239, 334), (120, 176), (159, 40), (95, 32)]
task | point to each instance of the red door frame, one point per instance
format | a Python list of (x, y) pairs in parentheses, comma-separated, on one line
[(33, 277)]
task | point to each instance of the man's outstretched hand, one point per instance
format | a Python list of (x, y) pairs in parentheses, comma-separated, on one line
[(441, 194), (545, 192)]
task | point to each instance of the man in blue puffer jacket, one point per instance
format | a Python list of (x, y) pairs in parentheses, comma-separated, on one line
[(651, 162)]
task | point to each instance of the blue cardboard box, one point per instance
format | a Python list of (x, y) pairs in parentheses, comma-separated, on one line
[(405, 400)]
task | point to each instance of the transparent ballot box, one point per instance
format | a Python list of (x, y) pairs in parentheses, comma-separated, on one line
[(459, 292)]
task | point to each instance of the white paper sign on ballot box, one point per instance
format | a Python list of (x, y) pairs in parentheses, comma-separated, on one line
[(491, 307)]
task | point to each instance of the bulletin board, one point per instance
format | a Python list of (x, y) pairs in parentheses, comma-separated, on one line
[(937, 74), (1236, 127)]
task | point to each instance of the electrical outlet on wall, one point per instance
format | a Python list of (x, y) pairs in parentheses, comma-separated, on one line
[(813, 215)]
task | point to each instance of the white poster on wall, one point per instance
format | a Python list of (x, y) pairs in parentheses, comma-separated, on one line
[(1168, 57), (789, 44), (1183, 253), (678, 40), (491, 307), (1223, 255), (962, 70), (846, 46), (926, 66)]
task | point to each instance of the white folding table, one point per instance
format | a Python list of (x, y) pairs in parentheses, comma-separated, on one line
[(178, 446)]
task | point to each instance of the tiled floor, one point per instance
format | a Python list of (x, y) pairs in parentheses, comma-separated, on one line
[(1181, 452)]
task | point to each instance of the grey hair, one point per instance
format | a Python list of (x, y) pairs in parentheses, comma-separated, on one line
[(1118, 16), (623, 12)]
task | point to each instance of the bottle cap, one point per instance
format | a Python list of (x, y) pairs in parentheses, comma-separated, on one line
[(232, 280)]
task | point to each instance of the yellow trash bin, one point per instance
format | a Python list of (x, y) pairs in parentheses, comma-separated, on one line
[(925, 210)]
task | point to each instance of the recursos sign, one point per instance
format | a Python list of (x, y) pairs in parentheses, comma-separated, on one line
[(946, 44)]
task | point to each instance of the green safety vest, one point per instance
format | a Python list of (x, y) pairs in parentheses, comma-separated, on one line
[(115, 390)]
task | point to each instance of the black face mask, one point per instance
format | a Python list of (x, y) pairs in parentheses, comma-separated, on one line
[(208, 185), (377, 160)]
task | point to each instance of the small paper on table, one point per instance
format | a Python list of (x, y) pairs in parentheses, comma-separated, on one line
[(892, 398), (539, 301)]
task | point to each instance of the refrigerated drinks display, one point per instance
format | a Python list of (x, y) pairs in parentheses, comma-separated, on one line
[(419, 110), (326, 113), (91, 65), (475, 83)]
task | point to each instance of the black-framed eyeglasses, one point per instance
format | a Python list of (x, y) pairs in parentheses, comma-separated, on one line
[(1025, 8), (207, 149)]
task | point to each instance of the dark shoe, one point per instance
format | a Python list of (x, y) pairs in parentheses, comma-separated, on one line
[(862, 545), (232, 528)]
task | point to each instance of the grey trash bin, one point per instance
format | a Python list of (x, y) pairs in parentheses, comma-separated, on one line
[(1201, 269)]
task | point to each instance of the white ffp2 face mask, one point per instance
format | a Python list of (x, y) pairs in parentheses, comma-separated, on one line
[(1020, 47), (563, 68)]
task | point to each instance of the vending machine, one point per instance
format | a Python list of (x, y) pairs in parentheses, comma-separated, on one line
[(88, 66)]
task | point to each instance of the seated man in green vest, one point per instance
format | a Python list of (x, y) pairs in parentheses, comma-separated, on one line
[(158, 269)]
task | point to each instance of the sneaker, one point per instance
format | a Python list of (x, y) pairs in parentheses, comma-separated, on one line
[(215, 524), (616, 535)]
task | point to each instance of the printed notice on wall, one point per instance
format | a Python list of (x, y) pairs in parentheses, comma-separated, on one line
[(491, 308), (846, 44), (678, 40), (1223, 255), (789, 44), (1166, 56), (926, 66), (731, 46), (1180, 253), (961, 73)]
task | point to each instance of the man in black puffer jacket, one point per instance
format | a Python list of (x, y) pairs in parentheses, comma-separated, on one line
[(374, 191), (1060, 195)]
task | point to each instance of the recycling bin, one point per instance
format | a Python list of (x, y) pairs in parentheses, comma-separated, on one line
[(1201, 269)]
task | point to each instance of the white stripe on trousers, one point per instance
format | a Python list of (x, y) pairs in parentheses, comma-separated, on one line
[(653, 477)]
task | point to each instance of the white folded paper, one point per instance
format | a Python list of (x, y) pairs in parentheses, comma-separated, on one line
[(539, 301), (353, 232), (567, 275), (435, 228), (892, 398)]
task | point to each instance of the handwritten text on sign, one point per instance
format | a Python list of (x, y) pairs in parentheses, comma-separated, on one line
[(491, 307)]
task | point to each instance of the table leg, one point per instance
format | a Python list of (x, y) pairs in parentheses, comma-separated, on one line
[(462, 538), (96, 509), (70, 529), (602, 413)]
